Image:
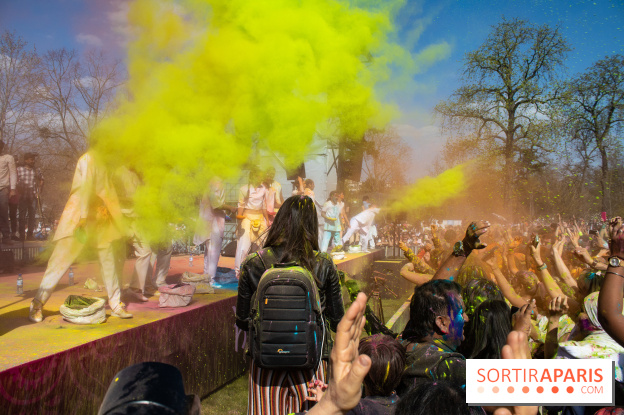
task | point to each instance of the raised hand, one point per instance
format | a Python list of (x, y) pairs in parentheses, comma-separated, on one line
[(616, 237), (522, 318), (558, 306), (473, 233), (348, 367)]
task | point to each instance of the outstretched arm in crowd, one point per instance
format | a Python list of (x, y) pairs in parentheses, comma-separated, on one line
[(561, 267), (504, 285), (450, 267), (553, 288), (557, 307), (418, 264), (348, 368), (410, 273), (612, 291)]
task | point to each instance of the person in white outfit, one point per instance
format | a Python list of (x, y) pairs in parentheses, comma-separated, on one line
[(126, 182), (93, 214), (331, 213), (361, 223), (211, 225), (252, 216)]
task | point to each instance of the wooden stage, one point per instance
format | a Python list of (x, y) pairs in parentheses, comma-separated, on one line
[(58, 367)]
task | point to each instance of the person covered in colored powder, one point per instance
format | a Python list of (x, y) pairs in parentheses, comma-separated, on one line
[(92, 215)]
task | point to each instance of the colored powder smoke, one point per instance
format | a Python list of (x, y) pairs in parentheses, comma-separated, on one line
[(431, 191), (212, 82)]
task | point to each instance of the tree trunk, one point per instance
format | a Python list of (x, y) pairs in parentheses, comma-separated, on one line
[(603, 177)]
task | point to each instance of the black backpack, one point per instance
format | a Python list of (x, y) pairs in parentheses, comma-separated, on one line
[(287, 330)]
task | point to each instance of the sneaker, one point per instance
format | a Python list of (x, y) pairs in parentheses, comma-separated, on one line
[(36, 311), (121, 312), (135, 295)]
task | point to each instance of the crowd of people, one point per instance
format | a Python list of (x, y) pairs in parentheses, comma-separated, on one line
[(529, 291), (540, 290), (20, 186)]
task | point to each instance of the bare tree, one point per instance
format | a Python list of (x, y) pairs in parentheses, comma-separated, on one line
[(74, 95), (594, 103), (507, 88), (18, 80)]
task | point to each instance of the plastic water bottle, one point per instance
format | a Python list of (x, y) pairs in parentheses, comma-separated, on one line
[(191, 260), (71, 276), (20, 284)]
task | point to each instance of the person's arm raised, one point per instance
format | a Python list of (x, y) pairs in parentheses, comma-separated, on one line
[(348, 367), (557, 307), (450, 267), (612, 291)]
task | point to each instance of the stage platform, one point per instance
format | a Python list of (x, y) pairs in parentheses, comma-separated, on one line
[(58, 367)]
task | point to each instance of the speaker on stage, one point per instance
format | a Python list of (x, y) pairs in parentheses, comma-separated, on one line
[(299, 171), (230, 249), (149, 388)]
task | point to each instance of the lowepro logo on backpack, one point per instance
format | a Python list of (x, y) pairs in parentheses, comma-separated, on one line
[(286, 329)]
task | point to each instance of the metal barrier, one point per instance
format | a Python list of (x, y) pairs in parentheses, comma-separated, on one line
[(25, 254)]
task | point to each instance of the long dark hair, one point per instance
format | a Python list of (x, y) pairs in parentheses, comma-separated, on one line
[(295, 230), (488, 332), (434, 397)]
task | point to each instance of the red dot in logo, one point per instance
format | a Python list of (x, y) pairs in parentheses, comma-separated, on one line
[(495, 389), (570, 389), (555, 389), (540, 389), (510, 389), (525, 389)]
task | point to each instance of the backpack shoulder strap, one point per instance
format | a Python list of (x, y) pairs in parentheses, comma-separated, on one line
[(267, 257)]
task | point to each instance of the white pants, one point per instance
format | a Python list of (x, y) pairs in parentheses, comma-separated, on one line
[(213, 245), (65, 253), (246, 236), (143, 264), (355, 226), (163, 263)]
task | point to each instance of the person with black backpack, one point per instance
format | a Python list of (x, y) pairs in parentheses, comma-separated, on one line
[(289, 297)]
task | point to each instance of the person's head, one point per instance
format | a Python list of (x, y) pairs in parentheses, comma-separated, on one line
[(434, 397), (489, 327), (29, 159), (528, 286), (437, 312), (468, 273), (333, 196), (309, 184), (255, 176), (478, 290), (295, 228), (269, 174), (365, 199), (387, 364), (589, 281)]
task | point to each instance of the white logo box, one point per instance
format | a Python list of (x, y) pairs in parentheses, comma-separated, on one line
[(572, 382)]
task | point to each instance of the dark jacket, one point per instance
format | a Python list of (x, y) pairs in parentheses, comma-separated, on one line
[(328, 284), (431, 360)]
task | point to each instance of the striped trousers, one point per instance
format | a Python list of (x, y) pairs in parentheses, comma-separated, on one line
[(280, 392)]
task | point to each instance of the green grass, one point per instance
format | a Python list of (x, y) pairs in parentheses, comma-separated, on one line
[(229, 400)]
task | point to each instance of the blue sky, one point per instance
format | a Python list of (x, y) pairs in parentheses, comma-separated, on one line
[(594, 29)]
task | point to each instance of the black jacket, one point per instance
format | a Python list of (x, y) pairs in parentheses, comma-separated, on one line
[(328, 283)]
